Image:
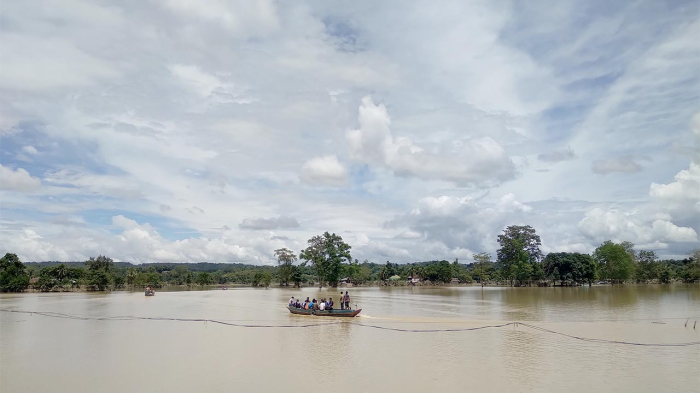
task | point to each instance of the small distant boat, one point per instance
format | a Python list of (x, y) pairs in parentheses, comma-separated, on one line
[(325, 313), (224, 288), (150, 293)]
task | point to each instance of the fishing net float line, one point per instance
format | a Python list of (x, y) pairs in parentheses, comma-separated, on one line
[(51, 314)]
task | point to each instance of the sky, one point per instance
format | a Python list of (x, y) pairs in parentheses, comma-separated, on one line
[(219, 131)]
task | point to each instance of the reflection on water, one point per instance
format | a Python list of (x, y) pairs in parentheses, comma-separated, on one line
[(63, 355)]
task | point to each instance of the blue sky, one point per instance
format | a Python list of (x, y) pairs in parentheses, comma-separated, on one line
[(190, 131)]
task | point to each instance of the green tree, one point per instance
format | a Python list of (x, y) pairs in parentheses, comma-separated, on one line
[(569, 267), (13, 274), (354, 272), (647, 266), (482, 263), (515, 239), (614, 260), (285, 263), (99, 277), (297, 276), (691, 271), (262, 278), (131, 275), (101, 262), (98, 280), (203, 278), (327, 253), (456, 268)]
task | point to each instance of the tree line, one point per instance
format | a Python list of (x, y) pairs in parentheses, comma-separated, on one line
[(327, 260)]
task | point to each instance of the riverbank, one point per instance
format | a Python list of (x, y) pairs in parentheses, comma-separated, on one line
[(189, 288)]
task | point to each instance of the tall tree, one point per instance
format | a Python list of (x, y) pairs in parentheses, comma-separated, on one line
[(482, 263), (101, 262), (13, 274), (647, 266), (327, 253), (513, 241), (614, 260), (285, 263)]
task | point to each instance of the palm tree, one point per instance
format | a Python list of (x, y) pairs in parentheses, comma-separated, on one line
[(131, 276)]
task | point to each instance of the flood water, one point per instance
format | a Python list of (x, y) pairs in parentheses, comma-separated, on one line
[(46, 354)]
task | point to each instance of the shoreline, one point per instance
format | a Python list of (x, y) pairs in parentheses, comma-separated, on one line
[(198, 288)]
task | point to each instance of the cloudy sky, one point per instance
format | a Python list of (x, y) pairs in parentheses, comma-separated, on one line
[(188, 131)]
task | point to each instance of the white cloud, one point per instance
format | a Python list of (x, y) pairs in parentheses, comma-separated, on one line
[(213, 113), (464, 161), (192, 77), (31, 150), (325, 170), (41, 64), (240, 17), (509, 203), (600, 225), (681, 195), (17, 180)]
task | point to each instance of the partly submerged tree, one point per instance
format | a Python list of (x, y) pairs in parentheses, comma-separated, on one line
[(614, 260), (691, 271), (13, 274), (569, 267), (99, 277), (647, 267), (515, 240), (482, 265), (285, 263), (327, 253)]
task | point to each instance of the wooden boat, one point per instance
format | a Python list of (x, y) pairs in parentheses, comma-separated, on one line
[(325, 313), (150, 293)]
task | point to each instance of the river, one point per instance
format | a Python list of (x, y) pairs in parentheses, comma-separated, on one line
[(48, 354)]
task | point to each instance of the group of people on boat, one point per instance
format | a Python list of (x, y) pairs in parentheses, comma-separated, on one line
[(321, 305), (149, 291)]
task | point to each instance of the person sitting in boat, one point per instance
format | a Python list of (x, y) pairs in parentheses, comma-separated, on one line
[(322, 305), (329, 307), (314, 305)]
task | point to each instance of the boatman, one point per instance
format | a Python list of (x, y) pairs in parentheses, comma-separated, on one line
[(346, 299), (291, 301)]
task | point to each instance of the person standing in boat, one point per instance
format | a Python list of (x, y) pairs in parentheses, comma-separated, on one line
[(346, 300), (342, 305), (291, 301)]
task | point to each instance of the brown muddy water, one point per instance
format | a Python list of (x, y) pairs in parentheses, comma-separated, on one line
[(275, 352)]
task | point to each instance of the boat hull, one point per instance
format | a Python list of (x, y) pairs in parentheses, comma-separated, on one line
[(318, 313)]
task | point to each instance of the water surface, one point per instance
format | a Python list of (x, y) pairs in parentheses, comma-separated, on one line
[(39, 353)]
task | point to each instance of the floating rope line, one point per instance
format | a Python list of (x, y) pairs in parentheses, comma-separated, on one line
[(221, 322), (136, 318)]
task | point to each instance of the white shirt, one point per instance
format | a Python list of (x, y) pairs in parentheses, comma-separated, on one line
[(291, 301), (322, 306)]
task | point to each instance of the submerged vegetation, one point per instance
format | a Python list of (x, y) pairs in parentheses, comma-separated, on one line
[(327, 261)]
